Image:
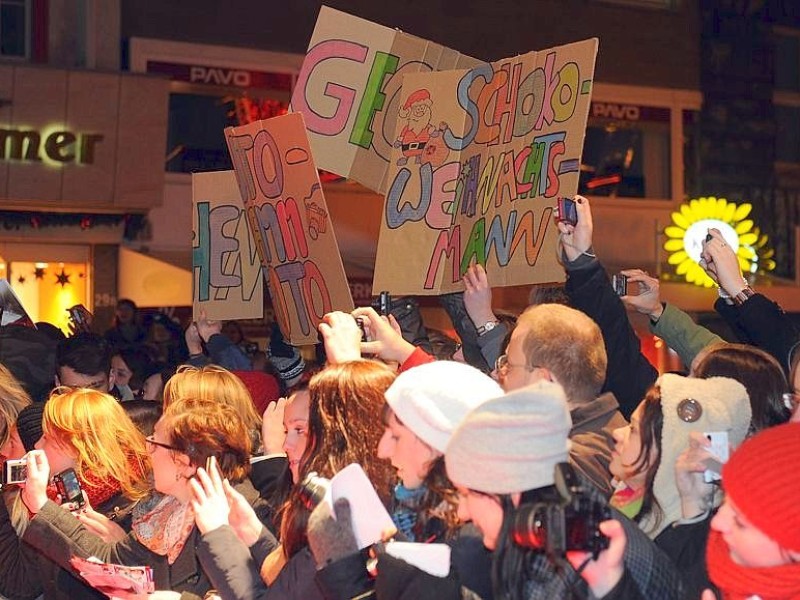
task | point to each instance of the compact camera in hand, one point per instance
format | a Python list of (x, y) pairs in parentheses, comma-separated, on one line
[(620, 284), (567, 211), (15, 471), (569, 523)]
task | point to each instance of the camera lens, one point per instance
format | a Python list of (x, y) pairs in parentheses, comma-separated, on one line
[(313, 489), (528, 528)]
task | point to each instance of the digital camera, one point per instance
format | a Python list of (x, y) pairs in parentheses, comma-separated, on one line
[(15, 471), (313, 489), (571, 522)]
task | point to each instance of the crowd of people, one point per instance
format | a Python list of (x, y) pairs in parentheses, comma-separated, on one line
[(543, 453)]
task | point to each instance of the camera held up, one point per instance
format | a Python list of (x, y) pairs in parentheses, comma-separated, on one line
[(570, 523)]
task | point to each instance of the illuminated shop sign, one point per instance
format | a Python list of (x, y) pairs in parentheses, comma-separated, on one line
[(629, 112), (225, 76), (690, 226), (54, 144)]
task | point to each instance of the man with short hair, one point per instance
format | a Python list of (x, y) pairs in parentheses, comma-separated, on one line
[(84, 360), (557, 343)]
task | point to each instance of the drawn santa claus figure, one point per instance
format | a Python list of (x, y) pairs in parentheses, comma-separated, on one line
[(415, 139)]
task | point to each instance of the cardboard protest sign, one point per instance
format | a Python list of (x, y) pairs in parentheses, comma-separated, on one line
[(226, 267), (289, 220), (348, 90), (480, 159)]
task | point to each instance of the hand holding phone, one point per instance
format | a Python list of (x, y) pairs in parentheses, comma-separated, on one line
[(567, 212), (719, 450), (620, 284), (69, 488)]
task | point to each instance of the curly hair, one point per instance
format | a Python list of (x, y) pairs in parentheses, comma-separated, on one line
[(440, 500), (202, 428), (344, 427), (105, 440), (13, 398)]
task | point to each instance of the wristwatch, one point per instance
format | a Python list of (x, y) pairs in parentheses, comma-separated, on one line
[(488, 326), (743, 296)]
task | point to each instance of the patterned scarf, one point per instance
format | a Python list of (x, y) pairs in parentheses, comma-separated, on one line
[(404, 514), (740, 583), (165, 528), (627, 500)]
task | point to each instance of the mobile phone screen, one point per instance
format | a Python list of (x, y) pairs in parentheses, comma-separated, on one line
[(70, 488)]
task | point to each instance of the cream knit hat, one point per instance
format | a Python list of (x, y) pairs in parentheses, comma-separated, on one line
[(432, 399), (691, 404), (512, 443)]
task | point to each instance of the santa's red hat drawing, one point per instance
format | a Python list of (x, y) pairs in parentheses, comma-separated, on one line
[(417, 132)]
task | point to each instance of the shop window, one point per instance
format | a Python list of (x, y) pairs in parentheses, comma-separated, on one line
[(196, 138), (47, 290), (626, 152), (15, 17)]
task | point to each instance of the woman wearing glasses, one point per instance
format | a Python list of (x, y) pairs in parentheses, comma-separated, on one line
[(164, 536), (89, 432)]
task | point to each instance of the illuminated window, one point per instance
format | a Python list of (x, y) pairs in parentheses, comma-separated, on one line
[(626, 152), (15, 19)]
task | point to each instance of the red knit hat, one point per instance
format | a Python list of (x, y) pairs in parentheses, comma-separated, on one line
[(763, 481), (263, 388)]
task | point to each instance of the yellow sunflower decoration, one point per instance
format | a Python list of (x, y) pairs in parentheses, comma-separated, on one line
[(690, 227)]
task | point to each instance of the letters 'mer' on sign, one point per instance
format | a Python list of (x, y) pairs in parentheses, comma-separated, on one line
[(289, 220), (348, 90), (479, 158), (58, 146), (227, 270)]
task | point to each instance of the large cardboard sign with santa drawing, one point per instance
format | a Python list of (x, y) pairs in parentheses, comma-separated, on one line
[(479, 160), (227, 270), (348, 90), (288, 217)]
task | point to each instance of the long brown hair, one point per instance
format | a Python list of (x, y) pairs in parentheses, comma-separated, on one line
[(651, 423), (344, 427)]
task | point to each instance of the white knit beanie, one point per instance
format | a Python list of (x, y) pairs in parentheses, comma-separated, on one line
[(690, 404), (512, 443), (432, 399)]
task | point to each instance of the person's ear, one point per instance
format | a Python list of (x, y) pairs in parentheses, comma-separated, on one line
[(111, 379)]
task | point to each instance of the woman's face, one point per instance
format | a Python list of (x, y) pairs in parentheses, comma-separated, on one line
[(408, 454), (59, 454), (747, 544), (122, 374), (485, 512), (170, 467), (295, 421), (626, 452), (13, 448)]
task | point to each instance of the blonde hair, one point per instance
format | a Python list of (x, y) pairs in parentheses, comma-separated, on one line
[(567, 343), (13, 398), (108, 445), (212, 382)]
